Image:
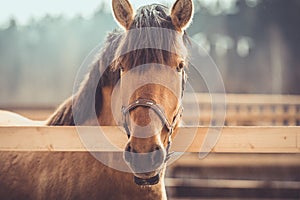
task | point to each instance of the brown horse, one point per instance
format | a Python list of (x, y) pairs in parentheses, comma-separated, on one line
[(150, 113)]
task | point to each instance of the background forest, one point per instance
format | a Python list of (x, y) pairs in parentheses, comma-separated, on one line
[(255, 44)]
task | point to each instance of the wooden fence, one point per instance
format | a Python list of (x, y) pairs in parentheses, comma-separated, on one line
[(189, 139), (235, 176), (246, 163), (257, 155), (241, 110)]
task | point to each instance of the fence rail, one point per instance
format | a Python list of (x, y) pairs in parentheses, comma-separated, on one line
[(235, 176), (246, 163), (259, 162), (241, 110), (189, 139)]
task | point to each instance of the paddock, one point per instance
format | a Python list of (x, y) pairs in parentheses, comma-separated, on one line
[(261, 161)]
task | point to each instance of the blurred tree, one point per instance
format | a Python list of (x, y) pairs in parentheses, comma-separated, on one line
[(254, 42), (284, 16)]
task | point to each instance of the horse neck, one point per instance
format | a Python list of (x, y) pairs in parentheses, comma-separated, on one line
[(105, 117)]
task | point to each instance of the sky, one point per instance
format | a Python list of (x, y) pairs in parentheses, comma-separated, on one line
[(24, 10)]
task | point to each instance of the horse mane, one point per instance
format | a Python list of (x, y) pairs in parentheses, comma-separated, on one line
[(85, 101)]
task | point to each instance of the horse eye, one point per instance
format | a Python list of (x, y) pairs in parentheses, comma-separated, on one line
[(121, 68), (180, 67)]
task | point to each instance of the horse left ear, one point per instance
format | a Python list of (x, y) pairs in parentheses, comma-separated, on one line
[(123, 12), (182, 13)]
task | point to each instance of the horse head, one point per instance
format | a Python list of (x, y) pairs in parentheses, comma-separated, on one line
[(151, 57)]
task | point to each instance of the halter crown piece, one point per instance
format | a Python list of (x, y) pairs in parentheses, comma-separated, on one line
[(152, 105)]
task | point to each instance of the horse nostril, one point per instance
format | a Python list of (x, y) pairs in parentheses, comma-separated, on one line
[(128, 148), (127, 153), (144, 162)]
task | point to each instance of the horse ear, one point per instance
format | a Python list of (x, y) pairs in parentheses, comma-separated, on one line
[(123, 12), (181, 14)]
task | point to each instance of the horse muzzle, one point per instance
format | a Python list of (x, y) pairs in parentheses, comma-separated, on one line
[(146, 167)]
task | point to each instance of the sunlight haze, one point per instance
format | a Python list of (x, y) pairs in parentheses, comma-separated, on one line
[(23, 11)]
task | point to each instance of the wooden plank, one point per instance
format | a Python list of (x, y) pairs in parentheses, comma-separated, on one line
[(245, 139), (39, 139), (217, 183), (58, 138), (244, 119), (298, 140), (240, 99), (242, 109), (263, 139), (237, 160), (236, 116), (189, 139)]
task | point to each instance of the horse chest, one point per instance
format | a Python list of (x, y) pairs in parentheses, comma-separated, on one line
[(67, 175)]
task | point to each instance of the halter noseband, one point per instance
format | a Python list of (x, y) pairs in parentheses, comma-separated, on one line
[(152, 105)]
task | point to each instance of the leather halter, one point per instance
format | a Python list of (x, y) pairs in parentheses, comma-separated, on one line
[(152, 105)]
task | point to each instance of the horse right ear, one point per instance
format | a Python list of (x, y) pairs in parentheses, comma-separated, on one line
[(182, 14), (123, 12)]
